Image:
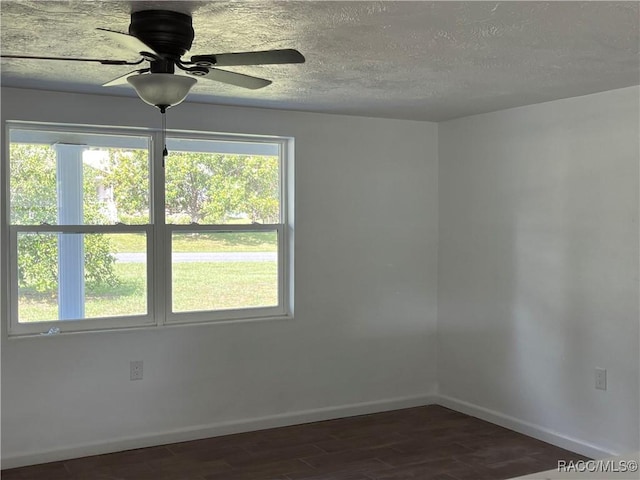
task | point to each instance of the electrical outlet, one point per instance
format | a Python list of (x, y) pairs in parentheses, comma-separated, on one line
[(135, 368), (601, 378)]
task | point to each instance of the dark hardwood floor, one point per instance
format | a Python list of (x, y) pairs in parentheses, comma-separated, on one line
[(427, 443)]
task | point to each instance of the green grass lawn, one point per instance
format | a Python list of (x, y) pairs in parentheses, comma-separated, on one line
[(200, 242), (196, 286), (224, 285)]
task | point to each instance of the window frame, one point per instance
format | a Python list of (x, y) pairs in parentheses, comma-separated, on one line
[(243, 313), (284, 308), (83, 324), (158, 235)]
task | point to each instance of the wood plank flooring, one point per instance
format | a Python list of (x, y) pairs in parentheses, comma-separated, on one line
[(426, 443)]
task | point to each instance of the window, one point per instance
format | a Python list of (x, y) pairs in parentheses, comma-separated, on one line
[(105, 234)]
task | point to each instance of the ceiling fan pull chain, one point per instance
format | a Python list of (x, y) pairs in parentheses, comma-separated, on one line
[(164, 134)]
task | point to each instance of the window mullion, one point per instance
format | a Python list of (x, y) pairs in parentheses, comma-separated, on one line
[(244, 227), (160, 256), (12, 268), (282, 268)]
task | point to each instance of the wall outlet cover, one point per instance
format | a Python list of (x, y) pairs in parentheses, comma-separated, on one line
[(135, 368), (601, 378)]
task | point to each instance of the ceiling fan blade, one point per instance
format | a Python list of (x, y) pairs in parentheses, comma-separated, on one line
[(267, 57), (122, 79), (131, 43), (72, 59), (237, 79)]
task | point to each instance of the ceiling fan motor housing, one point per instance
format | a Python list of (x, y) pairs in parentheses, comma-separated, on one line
[(168, 33)]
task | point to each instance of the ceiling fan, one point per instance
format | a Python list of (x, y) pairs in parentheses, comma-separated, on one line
[(162, 38)]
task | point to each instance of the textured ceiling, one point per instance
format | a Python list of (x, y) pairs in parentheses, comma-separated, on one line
[(414, 60)]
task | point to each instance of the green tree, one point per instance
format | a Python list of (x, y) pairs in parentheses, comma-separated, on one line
[(128, 176), (33, 184), (187, 178), (261, 196), (33, 197), (212, 188)]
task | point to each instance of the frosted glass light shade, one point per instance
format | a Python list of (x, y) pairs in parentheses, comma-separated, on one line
[(162, 89)]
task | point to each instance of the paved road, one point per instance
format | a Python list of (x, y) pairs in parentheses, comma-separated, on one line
[(203, 257)]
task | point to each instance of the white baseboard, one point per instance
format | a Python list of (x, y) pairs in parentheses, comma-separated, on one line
[(526, 428), (213, 430), (300, 417)]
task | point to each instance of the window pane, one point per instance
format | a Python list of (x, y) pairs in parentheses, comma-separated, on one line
[(98, 180), (211, 182), (224, 270), (69, 276)]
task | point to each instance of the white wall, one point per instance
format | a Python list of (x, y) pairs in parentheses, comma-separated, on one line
[(538, 285), (365, 300), (538, 267)]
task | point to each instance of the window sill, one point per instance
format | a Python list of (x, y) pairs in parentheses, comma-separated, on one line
[(149, 328)]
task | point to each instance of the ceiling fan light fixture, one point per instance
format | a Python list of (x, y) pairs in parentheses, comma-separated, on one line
[(162, 90)]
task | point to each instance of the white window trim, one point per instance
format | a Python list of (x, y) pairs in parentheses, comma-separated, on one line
[(158, 241)]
